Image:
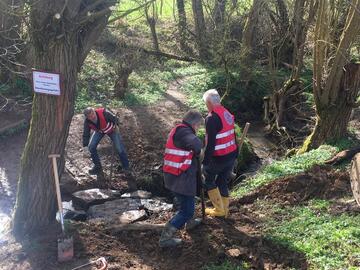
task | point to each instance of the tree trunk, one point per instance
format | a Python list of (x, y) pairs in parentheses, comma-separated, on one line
[(152, 24), (248, 39), (338, 11), (219, 14), (121, 82), (332, 121), (63, 52), (200, 29), (300, 26), (182, 26), (333, 92), (284, 50)]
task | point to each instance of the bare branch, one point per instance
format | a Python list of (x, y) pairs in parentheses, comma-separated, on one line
[(95, 15), (167, 55), (128, 12)]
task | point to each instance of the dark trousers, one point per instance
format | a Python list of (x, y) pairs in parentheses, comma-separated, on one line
[(217, 176), (186, 210)]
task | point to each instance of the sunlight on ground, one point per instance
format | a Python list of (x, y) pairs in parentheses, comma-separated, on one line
[(4, 220)]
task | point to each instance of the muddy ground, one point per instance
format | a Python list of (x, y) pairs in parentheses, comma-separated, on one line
[(144, 131)]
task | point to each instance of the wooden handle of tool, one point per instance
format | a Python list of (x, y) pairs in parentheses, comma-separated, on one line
[(245, 131), (57, 186)]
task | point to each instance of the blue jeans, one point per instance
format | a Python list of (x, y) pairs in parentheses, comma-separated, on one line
[(186, 211), (119, 146), (217, 175)]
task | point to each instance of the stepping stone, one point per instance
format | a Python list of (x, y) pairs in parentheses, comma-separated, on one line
[(141, 194), (156, 205), (112, 209), (116, 208), (132, 216), (89, 197)]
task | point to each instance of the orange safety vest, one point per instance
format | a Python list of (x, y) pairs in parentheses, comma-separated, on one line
[(105, 127), (225, 142), (176, 160)]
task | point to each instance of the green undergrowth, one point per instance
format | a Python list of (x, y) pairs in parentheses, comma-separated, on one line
[(163, 10), (97, 78), (289, 166), (148, 85), (245, 100), (328, 241), (227, 266)]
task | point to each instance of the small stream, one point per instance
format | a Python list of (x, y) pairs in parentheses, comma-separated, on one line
[(266, 150)]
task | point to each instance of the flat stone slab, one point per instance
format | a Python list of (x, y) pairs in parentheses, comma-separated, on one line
[(116, 208), (142, 194), (131, 216), (89, 197), (155, 205)]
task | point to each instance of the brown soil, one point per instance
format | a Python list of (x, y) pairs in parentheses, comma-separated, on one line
[(320, 182), (144, 130)]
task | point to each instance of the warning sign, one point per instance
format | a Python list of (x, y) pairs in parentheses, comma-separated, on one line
[(46, 83)]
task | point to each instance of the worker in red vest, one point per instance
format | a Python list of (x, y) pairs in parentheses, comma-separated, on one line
[(102, 122), (221, 151), (180, 171)]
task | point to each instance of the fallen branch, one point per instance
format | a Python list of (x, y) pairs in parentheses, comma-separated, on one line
[(343, 155), (168, 55)]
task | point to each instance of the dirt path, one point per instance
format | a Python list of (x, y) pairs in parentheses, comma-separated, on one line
[(144, 130)]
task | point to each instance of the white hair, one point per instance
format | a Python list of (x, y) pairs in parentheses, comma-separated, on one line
[(212, 96)]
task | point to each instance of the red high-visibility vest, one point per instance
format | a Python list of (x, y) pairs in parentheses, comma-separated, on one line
[(225, 142), (105, 127), (176, 160)]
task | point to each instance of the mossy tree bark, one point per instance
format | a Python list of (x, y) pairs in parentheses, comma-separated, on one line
[(334, 93), (62, 33)]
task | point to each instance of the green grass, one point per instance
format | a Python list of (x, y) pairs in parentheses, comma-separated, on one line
[(96, 83), (147, 87), (163, 10), (288, 166), (227, 266), (328, 241)]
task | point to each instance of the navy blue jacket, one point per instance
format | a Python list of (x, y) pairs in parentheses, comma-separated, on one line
[(185, 183)]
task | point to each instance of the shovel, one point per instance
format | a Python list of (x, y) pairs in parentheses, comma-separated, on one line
[(65, 243)]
